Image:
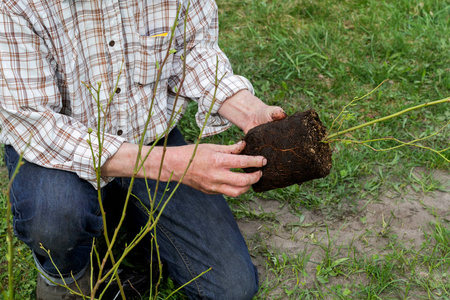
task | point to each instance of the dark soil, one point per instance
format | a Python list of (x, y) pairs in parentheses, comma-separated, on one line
[(293, 148)]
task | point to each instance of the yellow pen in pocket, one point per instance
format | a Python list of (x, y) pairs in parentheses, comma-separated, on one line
[(161, 34)]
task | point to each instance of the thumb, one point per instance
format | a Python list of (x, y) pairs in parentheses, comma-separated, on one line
[(277, 113)]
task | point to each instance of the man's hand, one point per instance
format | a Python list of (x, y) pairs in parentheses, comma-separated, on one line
[(265, 114), (247, 111), (209, 172)]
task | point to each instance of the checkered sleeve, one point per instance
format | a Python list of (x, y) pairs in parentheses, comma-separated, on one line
[(30, 103), (203, 58)]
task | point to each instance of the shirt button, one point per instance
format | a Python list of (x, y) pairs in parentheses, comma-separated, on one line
[(112, 43), (119, 132), (118, 90)]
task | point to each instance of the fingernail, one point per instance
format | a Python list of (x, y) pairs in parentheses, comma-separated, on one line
[(264, 161)]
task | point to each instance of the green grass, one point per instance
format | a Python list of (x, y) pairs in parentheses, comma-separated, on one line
[(321, 54)]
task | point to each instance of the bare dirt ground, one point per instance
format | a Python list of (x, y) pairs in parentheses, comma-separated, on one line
[(306, 238), (313, 235)]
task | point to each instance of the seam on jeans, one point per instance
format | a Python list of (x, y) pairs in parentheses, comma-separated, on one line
[(17, 216), (184, 258)]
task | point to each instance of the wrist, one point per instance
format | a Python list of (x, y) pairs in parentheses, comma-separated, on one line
[(241, 109), (123, 162)]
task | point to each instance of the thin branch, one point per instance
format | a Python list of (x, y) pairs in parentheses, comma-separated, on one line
[(190, 281), (351, 102), (331, 136)]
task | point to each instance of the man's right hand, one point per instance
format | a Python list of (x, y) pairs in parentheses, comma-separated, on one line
[(210, 170)]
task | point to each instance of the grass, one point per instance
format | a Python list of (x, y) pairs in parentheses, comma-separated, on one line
[(321, 54)]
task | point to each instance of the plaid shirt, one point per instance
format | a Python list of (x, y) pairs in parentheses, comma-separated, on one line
[(48, 49)]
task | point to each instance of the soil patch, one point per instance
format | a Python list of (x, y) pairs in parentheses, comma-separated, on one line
[(408, 217), (293, 148)]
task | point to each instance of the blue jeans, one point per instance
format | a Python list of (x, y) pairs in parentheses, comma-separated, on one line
[(196, 231)]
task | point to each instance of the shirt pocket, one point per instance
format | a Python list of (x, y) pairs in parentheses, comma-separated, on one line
[(149, 57)]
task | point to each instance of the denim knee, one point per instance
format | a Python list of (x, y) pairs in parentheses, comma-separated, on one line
[(57, 210), (61, 224), (59, 229)]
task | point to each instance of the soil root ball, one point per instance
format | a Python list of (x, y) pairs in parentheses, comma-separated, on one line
[(293, 150)]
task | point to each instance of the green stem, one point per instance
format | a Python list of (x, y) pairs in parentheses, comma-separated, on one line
[(9, 239), (329, 137), (10, 250), (97, 164), (189, 282), (9, 231)]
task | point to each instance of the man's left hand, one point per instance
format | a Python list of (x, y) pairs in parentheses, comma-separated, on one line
[(247, 111)]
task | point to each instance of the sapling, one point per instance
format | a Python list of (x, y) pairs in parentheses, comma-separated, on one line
[(298, 148)]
